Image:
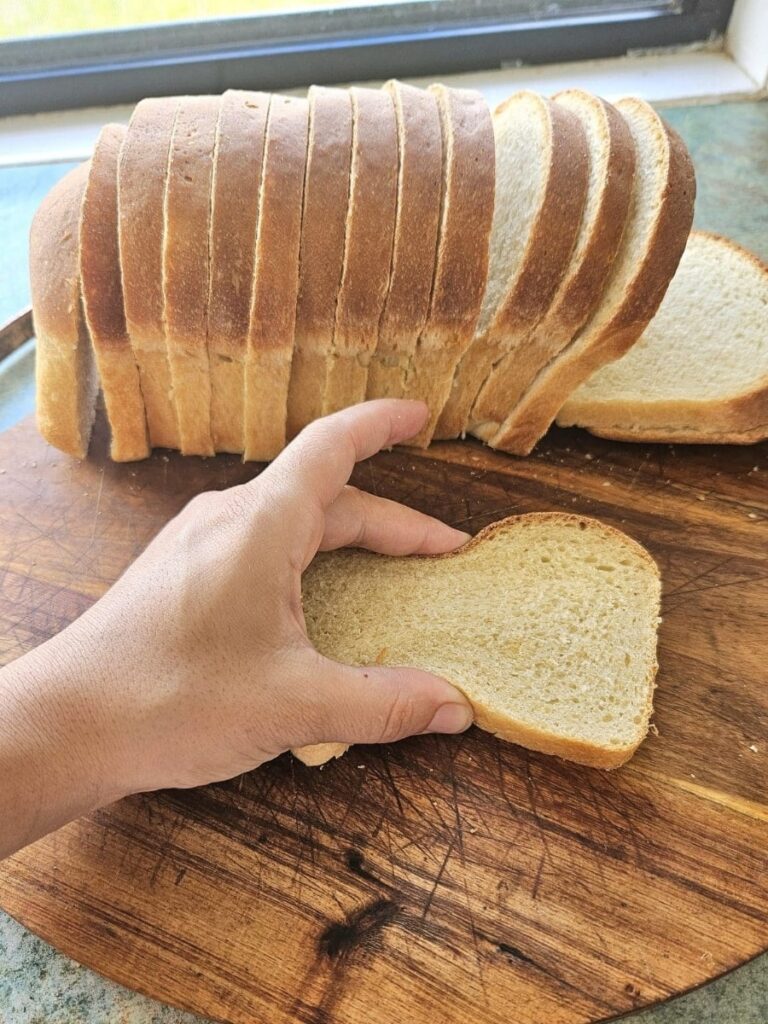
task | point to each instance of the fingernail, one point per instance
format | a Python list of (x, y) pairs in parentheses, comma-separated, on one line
[(451, 718)]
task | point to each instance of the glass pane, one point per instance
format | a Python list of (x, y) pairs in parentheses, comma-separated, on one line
[(34, 18)]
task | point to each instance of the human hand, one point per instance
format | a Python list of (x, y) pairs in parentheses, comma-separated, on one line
[(196, 665)]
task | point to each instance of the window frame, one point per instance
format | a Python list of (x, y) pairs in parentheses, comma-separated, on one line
[(384, 40)]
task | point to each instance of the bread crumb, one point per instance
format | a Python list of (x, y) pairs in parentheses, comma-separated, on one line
[(589, 456), (752, 515), (606, 483), (654, 729), (701, 497), (361, 766), (753, 747)]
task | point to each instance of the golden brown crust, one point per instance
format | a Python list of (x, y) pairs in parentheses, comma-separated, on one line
[(547, 257), (580, 293), (420, 172), (238, 156), (142, 176), (367, 249), (66, 381), (540, 405), (461, 270), (186, 268), (323, 229), (276, 279), (103, 301)]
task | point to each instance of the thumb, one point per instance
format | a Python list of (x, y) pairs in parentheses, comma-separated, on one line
[(374, 704)]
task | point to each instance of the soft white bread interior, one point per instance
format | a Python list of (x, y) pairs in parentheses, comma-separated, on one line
[(653, 242), (66, 379), (102, 293), (700, 370), (546, 622), (611, 169)]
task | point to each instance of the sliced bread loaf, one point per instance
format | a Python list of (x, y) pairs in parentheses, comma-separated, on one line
[(611, 174), (236, 185), (700, 371), (103, 301), (321, 255), (275, 279), (541, 181), (653, 242), (66, 379), (142, 179), (461, 268), (186, 256), (420, 175), (368, 245), (546, 622)]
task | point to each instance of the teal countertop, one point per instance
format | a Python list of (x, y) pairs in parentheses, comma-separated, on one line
[(729, 145)]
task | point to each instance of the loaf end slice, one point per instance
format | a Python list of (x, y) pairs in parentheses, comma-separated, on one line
[(66, 378), (546, 622), (699, 374)]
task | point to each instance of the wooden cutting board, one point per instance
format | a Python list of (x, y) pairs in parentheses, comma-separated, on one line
[(442, 878)]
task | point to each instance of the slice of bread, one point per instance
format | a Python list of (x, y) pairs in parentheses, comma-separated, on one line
[(186, 256), (420, 175), (368, 246), (275, 279), (103, 301), (546, 622), (699, 374), (142, 176), (611, 174), (321, 256), (549, 250), (66, 379), (238, 155), (461, 268), (653, 242), (541, 178)]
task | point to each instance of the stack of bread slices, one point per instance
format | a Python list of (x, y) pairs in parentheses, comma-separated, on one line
[(229, 268)]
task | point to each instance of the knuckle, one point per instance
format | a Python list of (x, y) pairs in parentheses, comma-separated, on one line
[(399, 720)]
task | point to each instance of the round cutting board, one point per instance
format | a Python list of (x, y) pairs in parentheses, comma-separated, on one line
[(442, 878)]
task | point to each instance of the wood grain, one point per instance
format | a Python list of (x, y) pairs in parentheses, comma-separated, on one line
[(442, 878)]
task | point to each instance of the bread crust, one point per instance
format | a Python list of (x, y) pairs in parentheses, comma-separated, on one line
[(236, 184), (420, 171), (368, 247), (65, 374), (99, 260), (275, 279), (580, 290), (321, 256), (186, 268), (142, 175), (739, 419), (461, 270), (490, 719), (546, 396)]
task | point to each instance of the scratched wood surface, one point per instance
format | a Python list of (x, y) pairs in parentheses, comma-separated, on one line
[(441, 879)]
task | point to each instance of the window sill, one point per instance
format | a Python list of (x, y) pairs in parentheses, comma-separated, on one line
[(682, 77)]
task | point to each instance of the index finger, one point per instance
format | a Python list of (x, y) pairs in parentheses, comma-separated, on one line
[(321, 459)]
